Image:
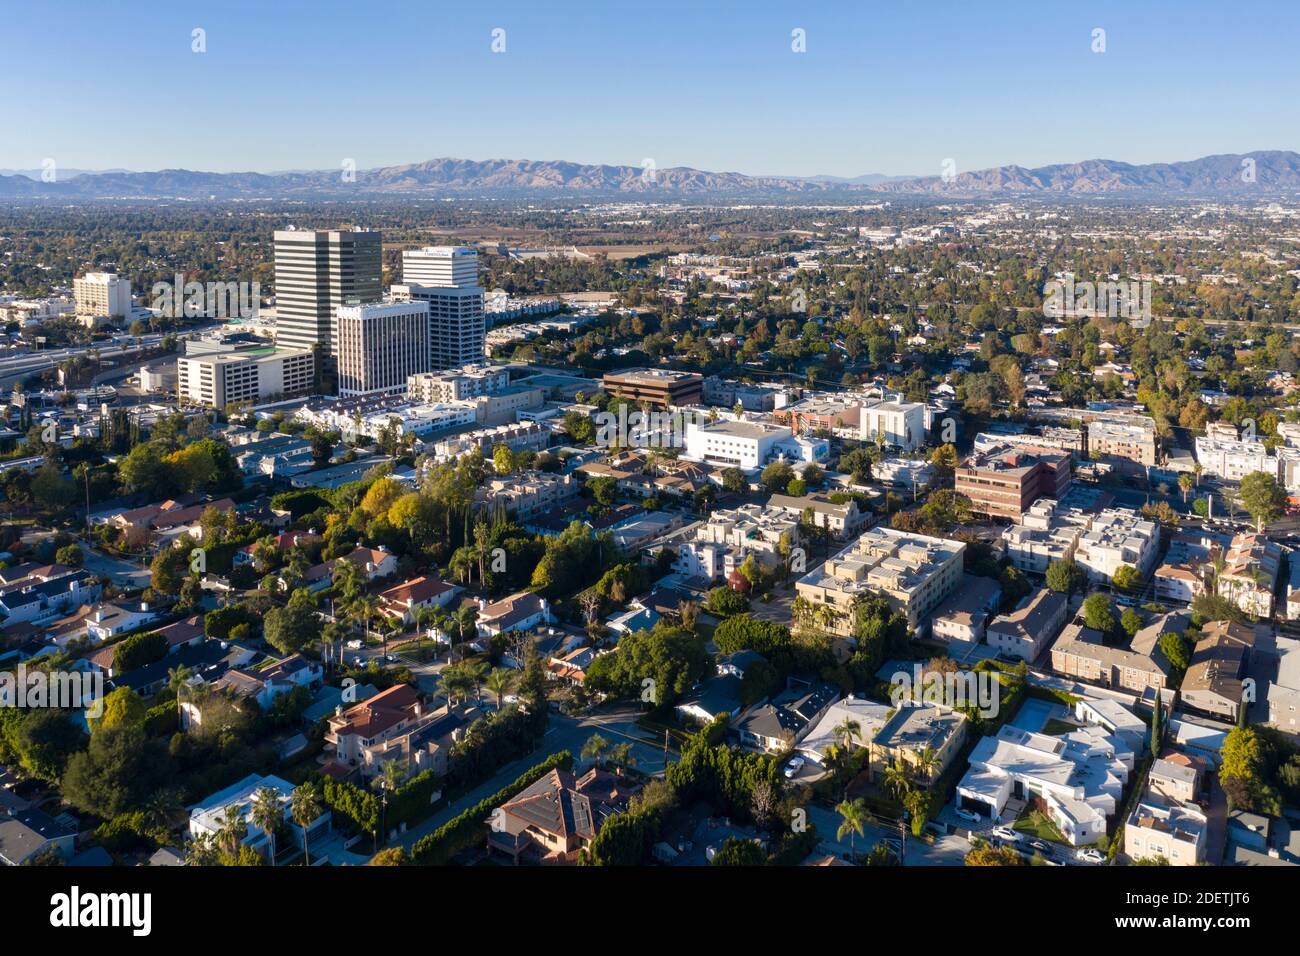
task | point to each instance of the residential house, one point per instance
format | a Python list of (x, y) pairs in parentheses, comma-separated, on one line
[(780, 722), (557, 817), (1027, 630), (916, 733), (207, 817)]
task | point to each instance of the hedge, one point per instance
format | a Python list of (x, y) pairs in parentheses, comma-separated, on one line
[(465, 829), (361, 809), (162, 720)]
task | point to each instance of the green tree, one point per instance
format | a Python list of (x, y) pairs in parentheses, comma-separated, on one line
[(1262, 497), (1098, 614), (1066, 577)]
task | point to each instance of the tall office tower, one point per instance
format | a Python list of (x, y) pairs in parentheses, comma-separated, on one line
[(378, 346), (443, 266), (456, 330), (316, 271)]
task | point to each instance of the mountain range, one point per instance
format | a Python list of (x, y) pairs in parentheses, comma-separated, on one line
[(1230, 176)]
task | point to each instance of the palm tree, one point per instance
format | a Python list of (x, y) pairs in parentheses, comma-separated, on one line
[(595, 749), (305, 809), (927, 761), (499, 682), (268, 814), (363, 609), (233, 830), (621, 756), (1185, 485), (201, 851), (390, 778), (854, 818), (899, 779), (846, 730)]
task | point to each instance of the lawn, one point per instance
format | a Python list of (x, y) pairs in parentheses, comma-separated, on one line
[(1036, 823)]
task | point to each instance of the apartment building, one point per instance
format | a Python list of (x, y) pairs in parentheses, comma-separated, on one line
[(964, 615), (842, 521), (1249, 575), (659, 388), (1046, 532), (1233, 460), (913, 572), (914, 728), (1082, 653), (729, 536), (1116, 537), (1027, 630), (1214, 681), (1158, 829), (1005, 482), (1188, 565), (529, 495), (457, 385), (1131, 437), (254, 376)]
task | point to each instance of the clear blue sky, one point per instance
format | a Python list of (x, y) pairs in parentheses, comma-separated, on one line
[(893, 88)]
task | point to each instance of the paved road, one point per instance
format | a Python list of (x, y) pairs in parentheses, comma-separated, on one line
[(127, 575)]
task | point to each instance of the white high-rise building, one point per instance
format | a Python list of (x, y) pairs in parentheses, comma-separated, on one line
[(378, 347), (442, 266), (102, 296), (316, 271), (457, 333)]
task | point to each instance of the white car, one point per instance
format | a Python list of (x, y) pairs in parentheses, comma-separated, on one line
[(793, 766), (1006, 833), (1089, 855), (968, 815), (353, 645)]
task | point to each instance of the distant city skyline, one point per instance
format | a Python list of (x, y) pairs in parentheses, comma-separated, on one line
[(878, 90)]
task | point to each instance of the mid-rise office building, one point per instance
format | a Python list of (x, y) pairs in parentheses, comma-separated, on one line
[(316, 272), (218, 379), (1004, 482), (379, 346), (457, 335), (660, 388)]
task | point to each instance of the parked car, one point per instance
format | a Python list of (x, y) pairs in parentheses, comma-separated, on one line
[(1090, 855), (967, 815), (793, 766), (353, 645), (1006, 833), (1040, 846)]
